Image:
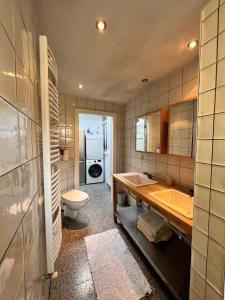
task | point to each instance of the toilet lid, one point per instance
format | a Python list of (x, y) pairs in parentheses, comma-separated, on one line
[(75, 195)]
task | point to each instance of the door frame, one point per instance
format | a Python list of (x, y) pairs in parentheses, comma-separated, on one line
[(76, 146)]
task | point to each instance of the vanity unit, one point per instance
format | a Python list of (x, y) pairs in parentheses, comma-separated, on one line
[(171, 259), (169, 131)]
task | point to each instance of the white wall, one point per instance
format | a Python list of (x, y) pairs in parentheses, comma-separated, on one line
[(91, 122)]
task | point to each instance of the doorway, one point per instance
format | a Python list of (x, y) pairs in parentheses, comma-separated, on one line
[(95, 152)]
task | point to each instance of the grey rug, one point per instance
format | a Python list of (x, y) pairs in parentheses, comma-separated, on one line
[(115, 272)]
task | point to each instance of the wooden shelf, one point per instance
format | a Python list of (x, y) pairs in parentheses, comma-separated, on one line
[(171, 259)]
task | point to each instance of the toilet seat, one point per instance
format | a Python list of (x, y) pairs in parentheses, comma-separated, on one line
[(75, 196)]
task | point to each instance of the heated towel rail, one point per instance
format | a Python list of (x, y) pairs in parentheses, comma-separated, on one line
[(50, 144)]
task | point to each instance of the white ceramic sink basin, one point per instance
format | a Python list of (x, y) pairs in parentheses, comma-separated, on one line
[(138, 179), (177, 201)]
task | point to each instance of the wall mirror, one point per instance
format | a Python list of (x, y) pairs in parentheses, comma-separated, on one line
[(152, 132), (182, 129)]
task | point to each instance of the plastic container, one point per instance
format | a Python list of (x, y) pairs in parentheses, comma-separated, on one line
[(121, 199)]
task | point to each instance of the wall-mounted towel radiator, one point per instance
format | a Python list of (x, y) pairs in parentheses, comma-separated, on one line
[(50, 143)]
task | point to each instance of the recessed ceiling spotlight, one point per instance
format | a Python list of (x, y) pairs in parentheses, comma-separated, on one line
[(193, 44), (144, 80), (80, 86), (100, 25)]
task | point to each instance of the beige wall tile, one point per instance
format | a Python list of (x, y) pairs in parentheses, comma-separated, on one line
[(215, 277), (220, 73), (154, 91), (6, 17), (190, 89), (176, 79), (216, 253), (218, 175), (206, 103), (187, 162), (222, 18), (207, 78), (203, 174), (186, 177), (218, 152), (219, 126), (205, 127), (191, 71), (217, 204), (193, 295), (208, 53), (221, 45), (198, 283), (220, 103), (175, 95), (200, 241), (204, 151), (209, 8), (209, 28), (211, 293), (174, 160), (163, 85), (201, 219), (90, 104), (202, 195), (198, 262), (217, 229)]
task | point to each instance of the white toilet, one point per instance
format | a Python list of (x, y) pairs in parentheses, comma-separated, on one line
[(73, 201)]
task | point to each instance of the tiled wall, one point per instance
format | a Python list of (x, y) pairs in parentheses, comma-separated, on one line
[(68, 104), (66, 175), (22, 242), (177, 87), (208, 246)]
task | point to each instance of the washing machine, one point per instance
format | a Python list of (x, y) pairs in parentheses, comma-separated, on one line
[(94, 171)]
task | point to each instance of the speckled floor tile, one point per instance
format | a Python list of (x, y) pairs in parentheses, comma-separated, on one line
[(75, 281)]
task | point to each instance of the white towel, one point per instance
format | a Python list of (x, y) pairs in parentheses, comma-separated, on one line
[(153, 227)]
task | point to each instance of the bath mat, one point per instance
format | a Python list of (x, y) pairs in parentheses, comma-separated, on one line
[(115, 272)]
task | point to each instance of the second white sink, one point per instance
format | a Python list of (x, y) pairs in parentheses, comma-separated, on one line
[(138, 179)]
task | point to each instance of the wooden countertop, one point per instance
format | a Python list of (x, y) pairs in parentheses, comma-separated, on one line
[(143, 193)]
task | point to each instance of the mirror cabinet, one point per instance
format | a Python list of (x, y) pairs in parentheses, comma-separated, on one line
[(171, 131), (152, 132)]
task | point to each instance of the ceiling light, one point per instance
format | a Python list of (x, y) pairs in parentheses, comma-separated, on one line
[(193, 44), (101, 25), (80, 86), (144, 80)]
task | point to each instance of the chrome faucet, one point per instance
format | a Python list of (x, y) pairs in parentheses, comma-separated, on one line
[(149, 175)]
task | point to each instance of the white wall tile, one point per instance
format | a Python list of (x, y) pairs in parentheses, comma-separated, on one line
[(9, 140), (7, 69)]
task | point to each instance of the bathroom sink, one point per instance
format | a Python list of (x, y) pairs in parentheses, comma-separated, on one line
[(138, 179), (177, 201)]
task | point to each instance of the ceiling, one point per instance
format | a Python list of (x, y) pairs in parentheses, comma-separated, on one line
[(144, 39)]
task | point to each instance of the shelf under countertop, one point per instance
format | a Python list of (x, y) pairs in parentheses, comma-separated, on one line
[(171, 259)]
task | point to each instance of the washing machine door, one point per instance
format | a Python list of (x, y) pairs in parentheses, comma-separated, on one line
[(95, 171)]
